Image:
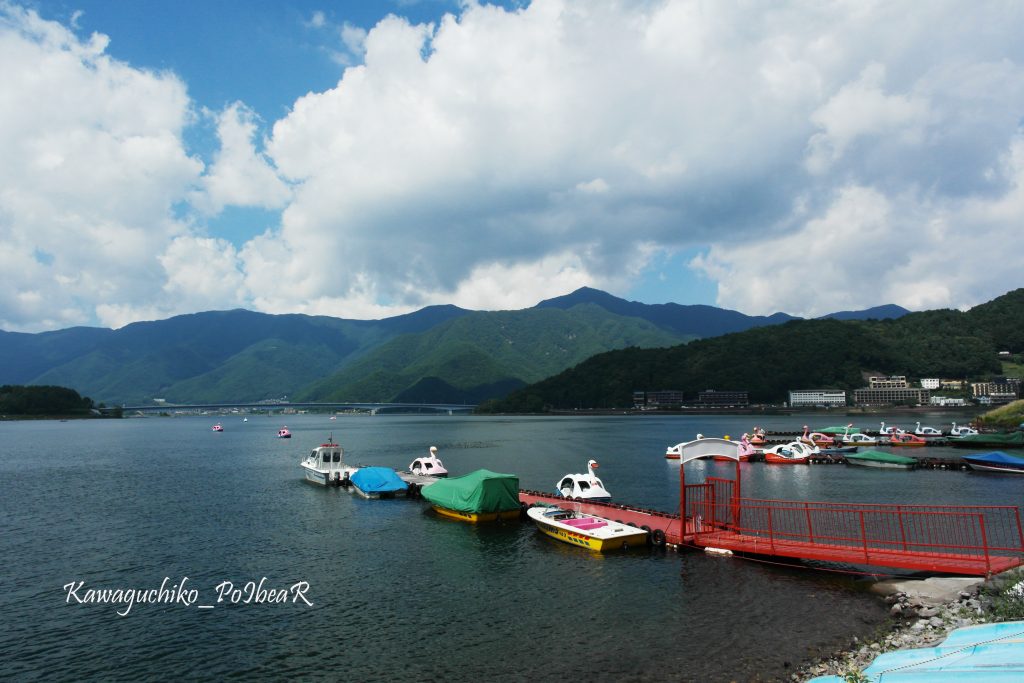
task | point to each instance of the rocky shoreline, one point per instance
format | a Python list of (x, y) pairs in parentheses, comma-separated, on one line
[(923, 613)]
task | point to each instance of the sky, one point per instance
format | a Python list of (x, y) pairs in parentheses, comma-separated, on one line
[(367, 159)]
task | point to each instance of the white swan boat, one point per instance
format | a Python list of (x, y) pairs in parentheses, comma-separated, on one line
[(583, 486), (586, 531), (325, 465), (963, 430), (430, 465), (889, 431), (792, 453), (858, 439), (926, 431)]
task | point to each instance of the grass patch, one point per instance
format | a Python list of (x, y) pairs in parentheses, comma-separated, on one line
[(1006, 417), (1013, 369)]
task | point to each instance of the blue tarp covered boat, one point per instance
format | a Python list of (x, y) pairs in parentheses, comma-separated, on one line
[(378, 482), (996, 461), (988, 652)]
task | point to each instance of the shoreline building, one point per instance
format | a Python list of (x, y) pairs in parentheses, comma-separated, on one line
[(653, 400), (885, 396), (713, 398), (815, 398)]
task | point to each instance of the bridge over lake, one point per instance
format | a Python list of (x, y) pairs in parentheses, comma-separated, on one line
[(260, 407)]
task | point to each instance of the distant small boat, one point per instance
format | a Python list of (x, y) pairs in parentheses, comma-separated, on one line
[(378, 482), (217, 427), (906, 440), (245, 419), (996, 461), (586, 531), (334, 417), (881, 459), (283, 433), (583, 486)]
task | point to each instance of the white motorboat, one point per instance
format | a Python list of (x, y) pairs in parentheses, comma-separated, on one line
[(430, 465), (586, 531), (583, 486), (326, 465)]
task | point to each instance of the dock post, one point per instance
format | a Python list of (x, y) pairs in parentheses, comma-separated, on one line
[(863, 536), (984, 545)]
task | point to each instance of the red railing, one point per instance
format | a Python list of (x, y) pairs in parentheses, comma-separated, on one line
[(975, 531)]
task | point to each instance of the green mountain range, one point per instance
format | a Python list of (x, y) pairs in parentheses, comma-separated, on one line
[(767, 362), (440, 354)]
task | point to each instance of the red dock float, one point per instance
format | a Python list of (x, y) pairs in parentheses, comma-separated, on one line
[(947, 539)]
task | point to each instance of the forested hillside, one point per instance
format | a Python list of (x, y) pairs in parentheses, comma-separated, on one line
[(767, 362)]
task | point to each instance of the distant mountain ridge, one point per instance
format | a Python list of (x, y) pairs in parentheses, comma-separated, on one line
[(825, 353), (436, 354), (691, 321)]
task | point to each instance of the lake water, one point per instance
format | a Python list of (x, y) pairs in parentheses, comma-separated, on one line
[(396, 592)]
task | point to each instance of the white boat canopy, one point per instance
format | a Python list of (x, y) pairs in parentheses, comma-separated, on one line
[(706, 448)]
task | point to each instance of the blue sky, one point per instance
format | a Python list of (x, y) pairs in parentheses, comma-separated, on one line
[(365, 159)]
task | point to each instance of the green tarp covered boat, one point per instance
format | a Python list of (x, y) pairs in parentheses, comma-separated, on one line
[(881, 459), (480, 496), (1003, 440), (840, 429)]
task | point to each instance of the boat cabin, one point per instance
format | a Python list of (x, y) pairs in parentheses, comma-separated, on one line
[(326, 464)]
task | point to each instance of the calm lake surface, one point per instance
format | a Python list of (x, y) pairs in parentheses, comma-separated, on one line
[(398, 593)]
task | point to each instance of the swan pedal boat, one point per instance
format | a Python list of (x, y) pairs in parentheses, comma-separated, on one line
[(586, 531), (430, 466), (792, 453), (583, 486)]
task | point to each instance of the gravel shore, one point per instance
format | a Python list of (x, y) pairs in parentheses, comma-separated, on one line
[(923, 612)]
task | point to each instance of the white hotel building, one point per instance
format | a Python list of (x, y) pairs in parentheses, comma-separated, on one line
[(817, 397)]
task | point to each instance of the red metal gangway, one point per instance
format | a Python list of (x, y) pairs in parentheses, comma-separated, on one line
[(972, 539)]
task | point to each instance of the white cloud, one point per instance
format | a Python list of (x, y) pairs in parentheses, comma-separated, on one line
[(862, 109), (497, 157), (93, 165), (240, 175), (867, 248)]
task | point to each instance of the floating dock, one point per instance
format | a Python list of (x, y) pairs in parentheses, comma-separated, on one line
[(962, 540)]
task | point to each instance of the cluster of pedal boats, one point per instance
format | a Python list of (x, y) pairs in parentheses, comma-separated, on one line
[(848, 441), (479, 496)]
